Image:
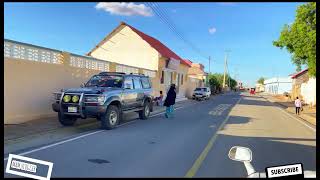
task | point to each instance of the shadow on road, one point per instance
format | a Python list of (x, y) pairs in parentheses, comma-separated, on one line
[(255, 101), (267, 151)]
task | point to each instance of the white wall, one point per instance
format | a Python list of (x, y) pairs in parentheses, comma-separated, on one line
[(308, 91), (278, 85)]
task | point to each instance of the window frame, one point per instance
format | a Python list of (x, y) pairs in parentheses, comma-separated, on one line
[(147, 80), (134, 82)]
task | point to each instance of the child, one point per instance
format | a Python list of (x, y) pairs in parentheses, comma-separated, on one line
[(159, 99), (297, 103)]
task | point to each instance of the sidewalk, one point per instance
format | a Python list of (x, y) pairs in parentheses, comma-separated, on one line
[(48, 125), (308, 114)]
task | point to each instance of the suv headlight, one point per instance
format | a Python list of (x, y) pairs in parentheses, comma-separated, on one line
[(96, 99), (101, 99)]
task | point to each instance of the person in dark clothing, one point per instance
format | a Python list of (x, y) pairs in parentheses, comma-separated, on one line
[(170, 101)]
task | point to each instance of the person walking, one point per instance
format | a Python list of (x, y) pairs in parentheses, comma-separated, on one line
[(170, 101), (298, 104)]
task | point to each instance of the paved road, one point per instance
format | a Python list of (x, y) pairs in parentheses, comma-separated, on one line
[(194, 143)]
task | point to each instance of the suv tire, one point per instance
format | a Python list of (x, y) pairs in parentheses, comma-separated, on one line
[(110, 119), (144, 114), (66, 120)]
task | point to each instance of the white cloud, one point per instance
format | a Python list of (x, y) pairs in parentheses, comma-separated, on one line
[(125, 9), (212, 30)]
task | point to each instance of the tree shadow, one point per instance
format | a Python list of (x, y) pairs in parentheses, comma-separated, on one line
[(266, 151), (255, 101)]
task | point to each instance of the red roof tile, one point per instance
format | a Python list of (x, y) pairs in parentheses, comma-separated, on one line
[(157, 45), (188, 61), (299, 73)]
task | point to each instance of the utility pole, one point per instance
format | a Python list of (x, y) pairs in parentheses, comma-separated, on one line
[(225, 68), (209, 65), (224, 74)]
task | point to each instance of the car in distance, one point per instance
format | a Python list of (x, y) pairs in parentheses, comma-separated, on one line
[(106, 96), (201, 93)]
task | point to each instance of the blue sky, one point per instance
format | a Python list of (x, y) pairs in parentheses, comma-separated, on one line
[(247, 29)]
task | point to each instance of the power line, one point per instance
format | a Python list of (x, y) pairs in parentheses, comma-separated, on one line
[(162, 15), (178, 32)]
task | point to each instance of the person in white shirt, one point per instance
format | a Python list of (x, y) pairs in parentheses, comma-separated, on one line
[(297, 103)]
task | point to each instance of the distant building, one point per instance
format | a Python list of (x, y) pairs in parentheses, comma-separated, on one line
[(297, 79), (197, 77), (259, 87), (278, 85)]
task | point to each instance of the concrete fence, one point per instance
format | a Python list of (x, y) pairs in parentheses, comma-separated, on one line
[(33, 73)]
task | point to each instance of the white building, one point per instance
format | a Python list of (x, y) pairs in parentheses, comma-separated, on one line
[(278, 85)]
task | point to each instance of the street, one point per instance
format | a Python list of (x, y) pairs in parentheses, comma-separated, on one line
[(194, 143)]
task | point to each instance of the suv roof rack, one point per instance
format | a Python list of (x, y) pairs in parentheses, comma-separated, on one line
[(140, 74), (106, 73)]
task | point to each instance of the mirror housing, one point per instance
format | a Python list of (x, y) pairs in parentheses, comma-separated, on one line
[(238, 153), (82, 85)]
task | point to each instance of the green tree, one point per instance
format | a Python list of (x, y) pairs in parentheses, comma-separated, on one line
[(233, 83), (299, 38), (261, 80), (216, 81)]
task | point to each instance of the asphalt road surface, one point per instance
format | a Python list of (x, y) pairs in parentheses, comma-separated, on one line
[(195, 143)]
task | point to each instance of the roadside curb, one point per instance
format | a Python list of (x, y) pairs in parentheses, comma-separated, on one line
[(303, 117), (70, 129)]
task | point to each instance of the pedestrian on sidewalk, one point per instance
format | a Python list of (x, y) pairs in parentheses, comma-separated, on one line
[(170, 101), (297, 103)]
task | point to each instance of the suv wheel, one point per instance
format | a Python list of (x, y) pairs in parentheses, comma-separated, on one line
[(66, 120), (144, 114), (110, 119)]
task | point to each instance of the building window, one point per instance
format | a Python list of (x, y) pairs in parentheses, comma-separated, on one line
[(162, 77)]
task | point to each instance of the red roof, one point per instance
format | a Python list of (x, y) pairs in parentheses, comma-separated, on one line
[(188, 61), (157, 45), (299, 73)]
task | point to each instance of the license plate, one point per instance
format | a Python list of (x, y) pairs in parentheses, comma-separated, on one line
[(72, 109), (198, 95)]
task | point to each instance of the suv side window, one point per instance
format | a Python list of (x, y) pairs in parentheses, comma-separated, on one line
[(145, 83), (137, 84), (128, 83)]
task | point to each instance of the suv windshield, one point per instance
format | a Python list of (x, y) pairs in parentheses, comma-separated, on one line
[(105, 81), (200, 89)]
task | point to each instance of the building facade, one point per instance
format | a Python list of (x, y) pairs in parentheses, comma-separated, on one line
[(259, 87), (128, 46), (197, 76), (297, 80)]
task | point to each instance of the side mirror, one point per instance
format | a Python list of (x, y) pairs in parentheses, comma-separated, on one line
[(82, 85), (238, 153)]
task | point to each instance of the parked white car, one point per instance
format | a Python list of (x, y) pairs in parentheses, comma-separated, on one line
[(201, 93)]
